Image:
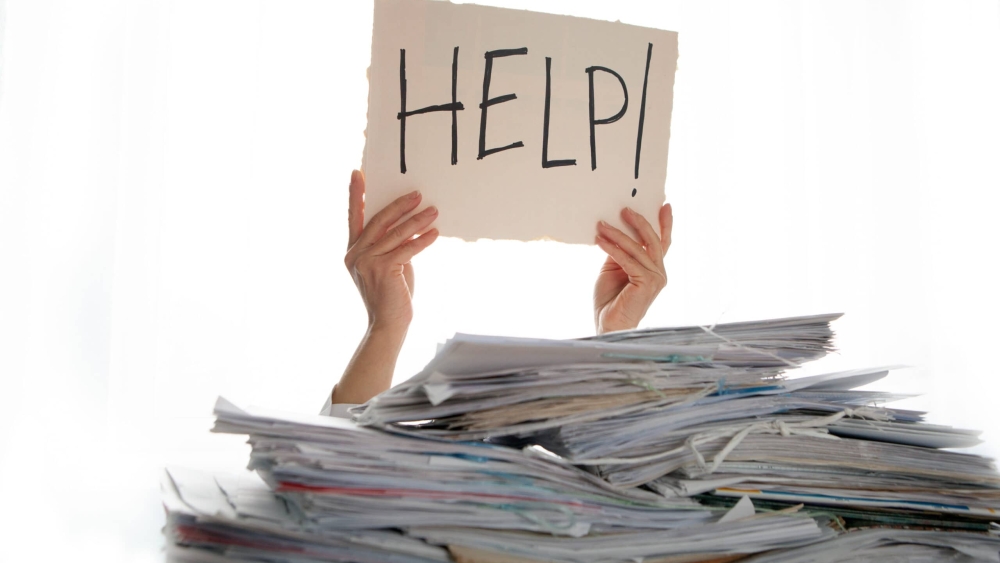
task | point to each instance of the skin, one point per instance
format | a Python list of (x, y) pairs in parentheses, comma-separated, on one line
[(378, 258), (633, 275)]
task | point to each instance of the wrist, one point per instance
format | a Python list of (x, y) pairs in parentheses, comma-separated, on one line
[(390, 318), (612, 323), (387, 330), (370, 370)]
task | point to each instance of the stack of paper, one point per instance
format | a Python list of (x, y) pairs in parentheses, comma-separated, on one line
[(344, 476), (484, 387), (236, 517), (635, 446), (881, 545), (338, 478), (726, 423)]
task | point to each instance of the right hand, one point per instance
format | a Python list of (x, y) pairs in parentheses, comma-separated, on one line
[(378, 255)]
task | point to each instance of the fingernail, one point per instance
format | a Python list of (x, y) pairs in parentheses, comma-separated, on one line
[(414, 194), (430, 210), (354, 176), (603, 223), (630, 211)]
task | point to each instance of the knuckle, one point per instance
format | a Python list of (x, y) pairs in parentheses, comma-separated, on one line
[(364, 263), (380, 217), (376, 222)]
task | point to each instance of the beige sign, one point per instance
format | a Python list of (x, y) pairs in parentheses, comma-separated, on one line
[(515, 124)]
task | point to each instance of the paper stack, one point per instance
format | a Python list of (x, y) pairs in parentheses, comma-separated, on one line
[(634, 446)]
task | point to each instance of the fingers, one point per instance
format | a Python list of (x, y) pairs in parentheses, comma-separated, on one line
[(405, 230), (384, 219), (649, 237), (383, 242), (630, 265), (356, 208), (666, 226), (411, 248), (626, 243)]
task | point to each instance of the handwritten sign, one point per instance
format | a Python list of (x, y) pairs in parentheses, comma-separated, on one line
[(515, 124)]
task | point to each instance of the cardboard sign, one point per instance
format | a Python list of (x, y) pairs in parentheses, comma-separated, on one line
[(515, 124)]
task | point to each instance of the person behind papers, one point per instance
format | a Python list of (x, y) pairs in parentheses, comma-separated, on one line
[(378, 258)]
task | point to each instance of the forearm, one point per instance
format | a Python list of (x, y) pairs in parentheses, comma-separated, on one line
[(370, 370)]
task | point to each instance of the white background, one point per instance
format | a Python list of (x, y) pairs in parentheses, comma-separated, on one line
[(173, 189)]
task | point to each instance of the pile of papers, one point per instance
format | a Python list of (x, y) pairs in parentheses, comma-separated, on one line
[(237, 517), (338, 479), (672, 445), (480, 387)]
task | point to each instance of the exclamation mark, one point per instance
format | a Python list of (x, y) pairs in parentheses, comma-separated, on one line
[(642, 114)]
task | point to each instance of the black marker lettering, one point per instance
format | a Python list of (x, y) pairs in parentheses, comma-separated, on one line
[(642, 113), (453, 107), (487, 101), (546, 163), (454, 101), (593, 141)]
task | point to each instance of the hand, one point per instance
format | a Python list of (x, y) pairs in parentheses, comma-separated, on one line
[(633, 274), (378, 255)]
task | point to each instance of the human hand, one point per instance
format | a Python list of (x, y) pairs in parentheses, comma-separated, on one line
[(378, 255), (633, 274)]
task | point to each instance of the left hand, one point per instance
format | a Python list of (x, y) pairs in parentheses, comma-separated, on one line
[(633, 274), (378, 255)]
